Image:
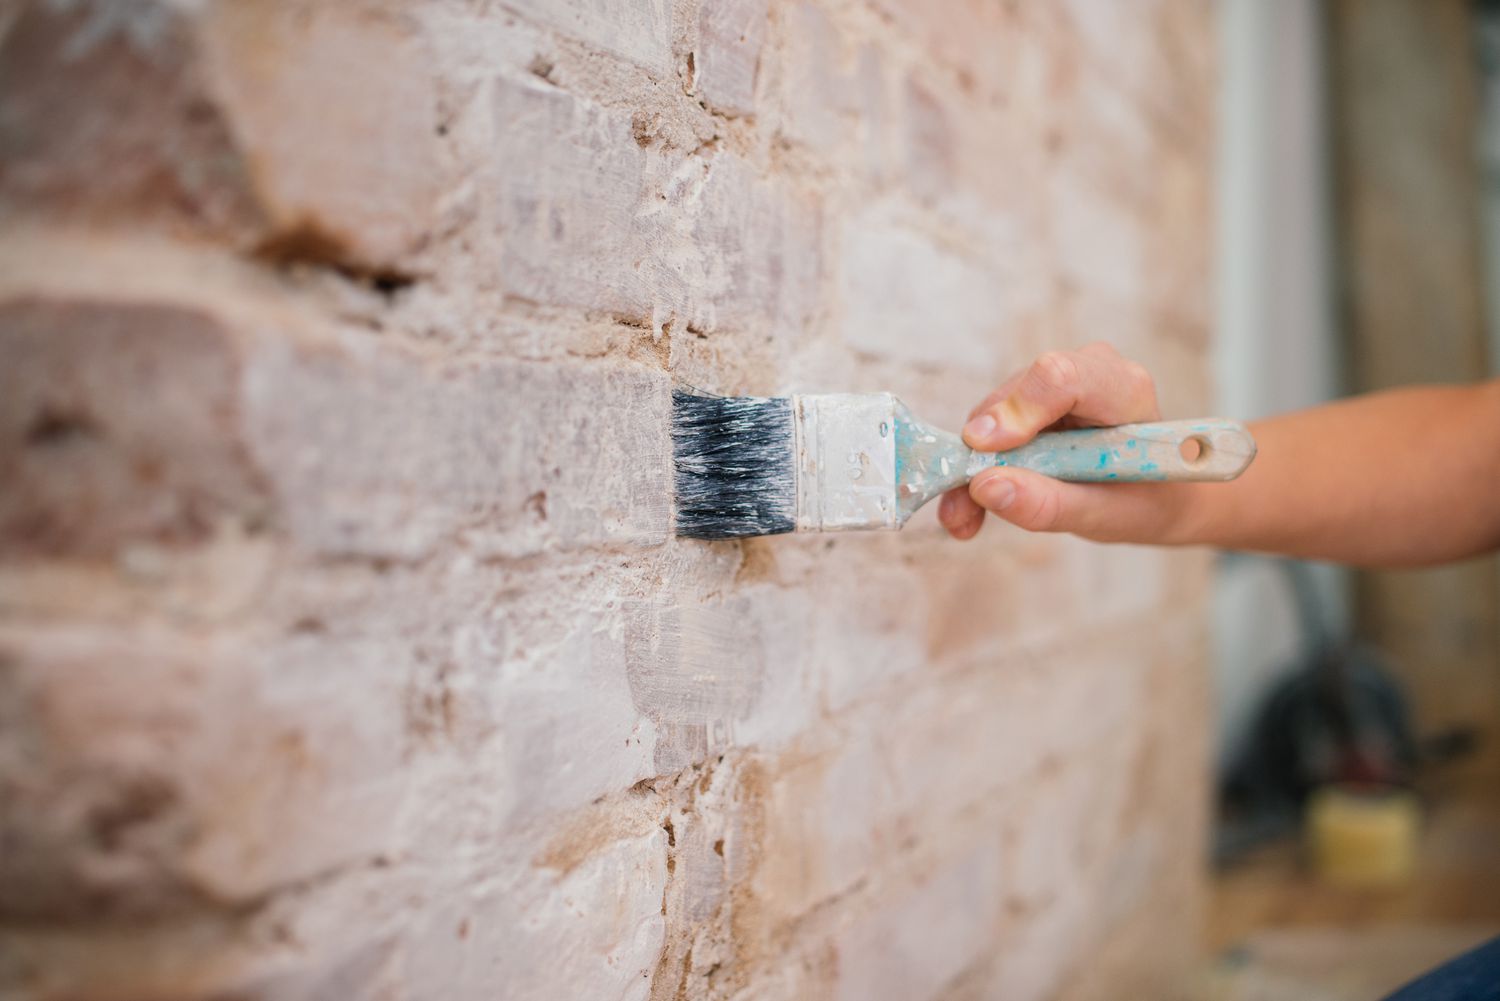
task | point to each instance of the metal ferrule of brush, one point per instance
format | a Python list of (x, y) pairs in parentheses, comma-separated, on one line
[(863, 462), (846, 461)]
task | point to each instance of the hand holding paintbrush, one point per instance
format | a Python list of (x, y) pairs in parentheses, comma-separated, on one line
[(1093, 386), (760, 466)]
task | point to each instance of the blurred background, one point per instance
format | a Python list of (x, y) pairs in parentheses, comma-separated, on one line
[(1358, 831)]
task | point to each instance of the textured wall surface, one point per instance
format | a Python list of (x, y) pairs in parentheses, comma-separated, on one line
[(345, 650)]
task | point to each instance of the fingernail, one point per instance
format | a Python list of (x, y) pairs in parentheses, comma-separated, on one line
[(980, 427), (996, 493)]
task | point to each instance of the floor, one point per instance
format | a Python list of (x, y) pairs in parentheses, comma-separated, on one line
[(1276, 934)]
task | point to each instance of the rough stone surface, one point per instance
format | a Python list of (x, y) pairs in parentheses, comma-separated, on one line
[(345, 647)]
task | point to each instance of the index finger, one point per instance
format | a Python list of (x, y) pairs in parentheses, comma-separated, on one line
[(1093, 385)]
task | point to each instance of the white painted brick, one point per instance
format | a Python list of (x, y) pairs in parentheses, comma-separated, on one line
[(787, 702), (594, 933), (963, 35), (1099, 244), (929, 141), (896, 278), (881, 147), (379, 452), (1118, 582), (640, 32), (1037, 954), (755, 248), (868, 640), (915, 945), (573, 730), (170, 417), (1057, 815), (589, 218), (571, 181), (717, 674), (816, 83), (727, 59), (1118, 37)]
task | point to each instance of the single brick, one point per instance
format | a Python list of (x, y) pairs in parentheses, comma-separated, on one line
[(335, 111), (817, 96), (571, 182), (754, 251), (730, 36)]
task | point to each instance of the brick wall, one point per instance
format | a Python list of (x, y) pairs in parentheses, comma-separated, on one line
[(345, 651)]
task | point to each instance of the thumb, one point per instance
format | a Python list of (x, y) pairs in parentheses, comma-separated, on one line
[(1025, 499), (1116, 512)]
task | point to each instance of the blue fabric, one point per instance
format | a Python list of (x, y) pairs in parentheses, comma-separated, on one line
[(1474, 976)]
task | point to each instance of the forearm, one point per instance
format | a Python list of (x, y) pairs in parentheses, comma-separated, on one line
[(1401, 478)]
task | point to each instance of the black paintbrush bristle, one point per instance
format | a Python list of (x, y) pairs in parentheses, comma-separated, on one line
[(735, 468)]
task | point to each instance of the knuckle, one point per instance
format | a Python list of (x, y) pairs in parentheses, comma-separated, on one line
[(987, 405), (1139, 377), (1056, 370)]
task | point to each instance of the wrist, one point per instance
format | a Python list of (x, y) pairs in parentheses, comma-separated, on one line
[(1190, 514)]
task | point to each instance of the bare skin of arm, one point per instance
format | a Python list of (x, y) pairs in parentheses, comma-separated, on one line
[(1408, 477)]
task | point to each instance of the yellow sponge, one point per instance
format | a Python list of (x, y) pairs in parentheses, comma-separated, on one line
[(1363, 836)]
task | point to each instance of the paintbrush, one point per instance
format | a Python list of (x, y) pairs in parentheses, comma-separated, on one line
[(836, 462)]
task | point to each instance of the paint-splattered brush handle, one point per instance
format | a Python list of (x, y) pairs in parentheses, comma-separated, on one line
[(1133, 453)]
